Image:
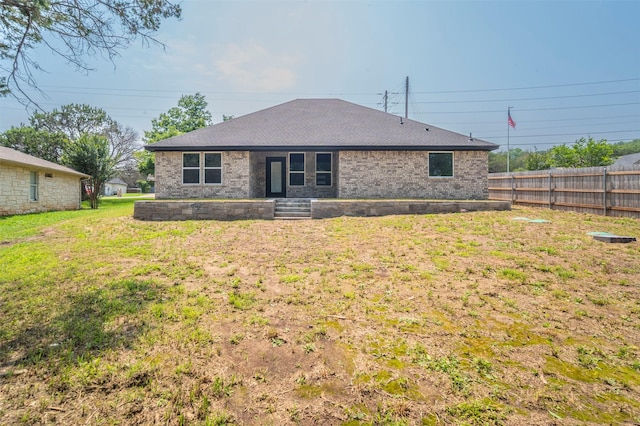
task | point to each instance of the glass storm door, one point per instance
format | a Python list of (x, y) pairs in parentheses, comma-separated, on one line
[(276, 177)]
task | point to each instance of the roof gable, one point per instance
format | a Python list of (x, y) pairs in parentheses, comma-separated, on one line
[(12, 156), (320, 124)]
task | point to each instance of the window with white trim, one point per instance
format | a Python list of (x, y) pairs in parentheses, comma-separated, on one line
[(190, 168), (323, 168), (296, 169), (212, 168), (33, 186), (441, 164)]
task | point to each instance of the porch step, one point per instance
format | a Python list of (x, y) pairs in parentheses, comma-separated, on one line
[(292, 209)]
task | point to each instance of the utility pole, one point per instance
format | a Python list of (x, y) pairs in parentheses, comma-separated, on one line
[(386, 98), (406, 98)]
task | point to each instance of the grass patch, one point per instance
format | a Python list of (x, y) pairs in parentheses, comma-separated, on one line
[(109, 320)]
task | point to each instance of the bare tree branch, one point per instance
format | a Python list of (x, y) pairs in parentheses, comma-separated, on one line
[(72, 30)]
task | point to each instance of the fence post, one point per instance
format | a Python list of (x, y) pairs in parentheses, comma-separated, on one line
[(604, 191), (550, 191), (513, 181)]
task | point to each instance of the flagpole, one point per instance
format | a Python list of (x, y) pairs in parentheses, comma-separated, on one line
[(508, 148)]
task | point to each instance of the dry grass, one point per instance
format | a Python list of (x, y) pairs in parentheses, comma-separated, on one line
[(470, 318)]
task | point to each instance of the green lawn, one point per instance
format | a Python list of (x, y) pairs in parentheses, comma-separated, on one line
[(471, 318)]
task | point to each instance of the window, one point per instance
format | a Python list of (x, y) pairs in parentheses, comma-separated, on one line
[(441, 164), (323, 169), (213, 167), (33, 186), (296, 169), (190, 168)]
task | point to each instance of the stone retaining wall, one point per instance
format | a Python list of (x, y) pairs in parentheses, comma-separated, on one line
[(204, 210), (321, 209)]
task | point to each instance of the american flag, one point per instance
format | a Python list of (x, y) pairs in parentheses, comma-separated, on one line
[(510, 120)]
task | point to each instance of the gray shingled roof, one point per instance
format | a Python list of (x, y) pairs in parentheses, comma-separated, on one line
[(629, 160), (320, 124), (11, 156), (117, 181)]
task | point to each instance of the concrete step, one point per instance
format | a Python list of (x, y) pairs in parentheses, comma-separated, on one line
[(300, 213), (292, 209)]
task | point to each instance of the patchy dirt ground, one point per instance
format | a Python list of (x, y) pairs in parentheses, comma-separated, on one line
[(472, 318)]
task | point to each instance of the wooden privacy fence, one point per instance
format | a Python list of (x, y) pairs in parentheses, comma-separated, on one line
[(598, 190)]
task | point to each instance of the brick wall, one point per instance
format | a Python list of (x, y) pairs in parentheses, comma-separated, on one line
[(356, 174), (235, 177), (405, 174), (59, 191), (309, 190)]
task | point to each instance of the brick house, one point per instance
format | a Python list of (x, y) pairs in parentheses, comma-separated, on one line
[(321, 148), (29, 184)]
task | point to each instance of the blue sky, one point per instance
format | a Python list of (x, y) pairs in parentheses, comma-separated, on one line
[(569, 69)]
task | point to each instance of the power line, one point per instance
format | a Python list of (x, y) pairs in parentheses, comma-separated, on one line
[(564, 143), (528, 99), (558, 134), (529, 87), (400, 85), (573, 125), (112, 89), (542, 121), (533, 109)]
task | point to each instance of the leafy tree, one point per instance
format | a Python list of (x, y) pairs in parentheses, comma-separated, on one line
[(228, 117), (626, 148), (39, 143), (591, 153), (584, 153), (562, 156), (146, 163), (75, 120), (90, 154), (72, 30), (537, 161), (498, 161), (190, 114)]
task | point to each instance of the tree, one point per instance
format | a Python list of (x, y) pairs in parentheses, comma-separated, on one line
[(591, 153), (584, 153), (146, 163), (498, 160), (90, 154), (75, 120), (538, 161), (71, 30), (39, 143), (190, 114), (626, 148), (562, 156)]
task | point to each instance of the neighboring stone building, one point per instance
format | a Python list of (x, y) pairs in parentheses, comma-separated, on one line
[(321, 148), (29, 184)]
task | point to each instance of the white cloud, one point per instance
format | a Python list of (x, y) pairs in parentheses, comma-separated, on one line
[(252, 67)]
